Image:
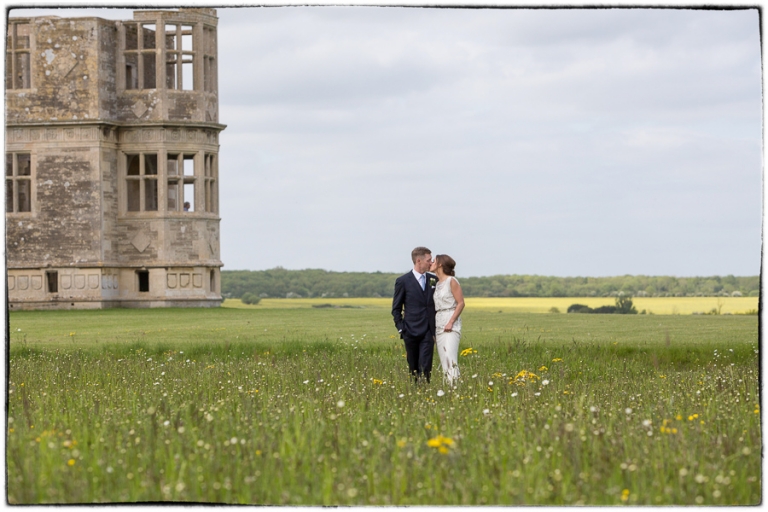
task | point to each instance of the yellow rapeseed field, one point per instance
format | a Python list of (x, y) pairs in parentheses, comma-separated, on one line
[(655, 305)]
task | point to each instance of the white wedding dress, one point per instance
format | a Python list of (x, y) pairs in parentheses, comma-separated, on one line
[(447, 342)]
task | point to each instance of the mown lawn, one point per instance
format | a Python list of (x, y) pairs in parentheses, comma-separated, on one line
[(277, 405)]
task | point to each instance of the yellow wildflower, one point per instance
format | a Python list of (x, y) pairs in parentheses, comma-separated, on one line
[(679, 417), (377, 382), (71, 462), (543, 368), (557, 359), (468, 351), (441, 443), (522, 376), (625, 495), (401, 443)]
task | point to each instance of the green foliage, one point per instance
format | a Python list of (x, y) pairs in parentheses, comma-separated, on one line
[(279, 282), (623, 307), (554, 309), (250, 298)]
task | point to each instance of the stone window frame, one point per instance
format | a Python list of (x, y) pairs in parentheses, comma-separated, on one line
[(14, 53), (179, 179), (201, 178), (177, 55), (14, 179), (210, 63), (211, 183), (142, 179), (144, 55)]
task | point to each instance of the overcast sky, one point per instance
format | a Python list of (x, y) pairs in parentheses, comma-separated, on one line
[(571, 142)]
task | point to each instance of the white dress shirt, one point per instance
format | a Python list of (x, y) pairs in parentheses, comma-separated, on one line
[(418, 278)]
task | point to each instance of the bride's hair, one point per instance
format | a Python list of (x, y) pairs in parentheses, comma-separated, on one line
[(445, 261)]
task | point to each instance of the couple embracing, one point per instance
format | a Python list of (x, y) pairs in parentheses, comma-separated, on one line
[(426, 307)]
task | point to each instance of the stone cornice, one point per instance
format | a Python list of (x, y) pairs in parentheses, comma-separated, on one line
[(193, 133)]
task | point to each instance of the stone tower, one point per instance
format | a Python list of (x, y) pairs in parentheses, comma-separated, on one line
[(111, 163)]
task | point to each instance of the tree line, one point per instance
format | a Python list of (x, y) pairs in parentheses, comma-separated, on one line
[(279, 282)]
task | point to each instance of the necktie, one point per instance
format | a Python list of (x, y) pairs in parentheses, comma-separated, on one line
[(423, 281)]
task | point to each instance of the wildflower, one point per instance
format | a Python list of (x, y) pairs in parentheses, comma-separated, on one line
[(440, 392), (628, 410), (543, 368), (377, 382), (646, 423), (72, 334), (441, 443), (486, 411), (679, 417), (522, 376), (468, 351), (400, 395), (544, 382), (625, 495), (401, 443), (514, 394), (71, 462), (557, 359), (340, 404)]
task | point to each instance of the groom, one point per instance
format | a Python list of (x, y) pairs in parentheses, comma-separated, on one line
[(414, 312)]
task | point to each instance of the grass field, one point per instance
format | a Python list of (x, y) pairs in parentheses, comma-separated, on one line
[(299, 405), (654, 305)]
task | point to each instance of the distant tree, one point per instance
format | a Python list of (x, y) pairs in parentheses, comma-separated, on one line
[(579, 308), (624, 305), (250, 298)]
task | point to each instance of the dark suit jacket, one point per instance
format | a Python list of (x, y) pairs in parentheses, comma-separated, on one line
[(412, 307)]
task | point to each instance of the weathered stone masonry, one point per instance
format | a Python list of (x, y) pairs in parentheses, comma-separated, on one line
[(111, 129)]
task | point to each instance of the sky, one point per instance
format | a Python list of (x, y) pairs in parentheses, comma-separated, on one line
[(565, 142)]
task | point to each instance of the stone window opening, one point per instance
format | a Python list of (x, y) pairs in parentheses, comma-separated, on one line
[(17, 57), (140, 52), (179, 57), (52, 281), (181, 182), (18, 182), (210, 184), (143, 277), (209, 60), (141, 182)]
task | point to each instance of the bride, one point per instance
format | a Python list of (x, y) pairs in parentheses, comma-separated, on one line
[(449, 302)]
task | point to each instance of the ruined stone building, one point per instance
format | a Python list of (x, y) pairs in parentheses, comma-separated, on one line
[(111, 161)]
